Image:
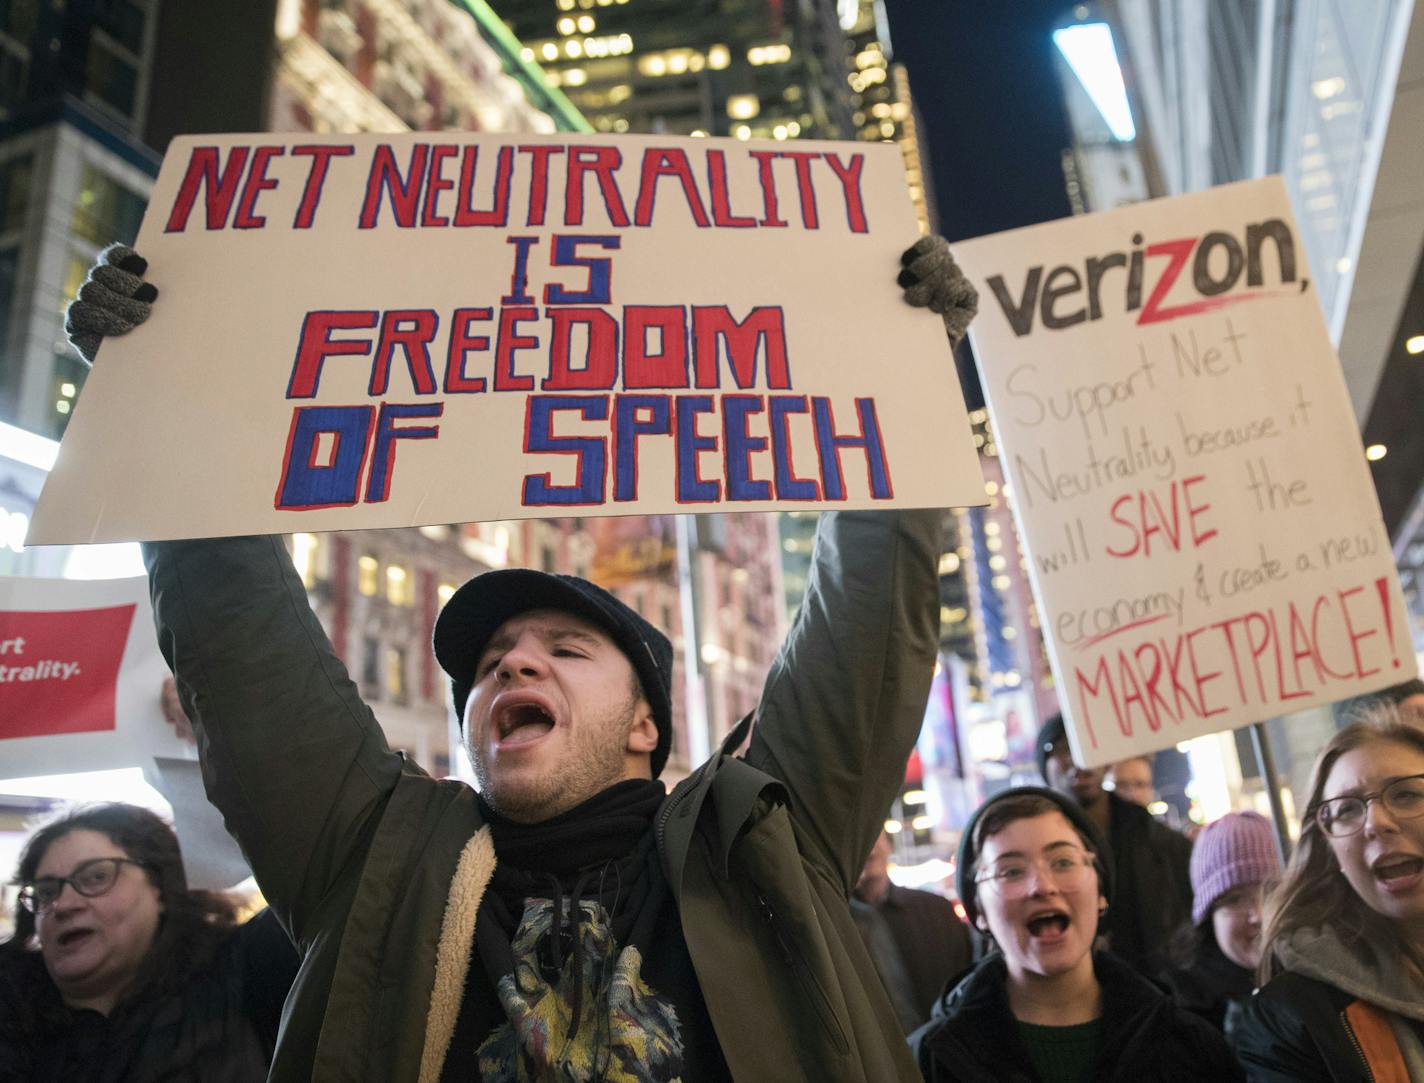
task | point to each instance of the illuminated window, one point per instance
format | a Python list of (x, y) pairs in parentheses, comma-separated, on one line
[(105, 209), (445, 592), (769, 54), (304, 548), (399, 587), (366, 579), (395, 674), (718, 57), (743, 106)]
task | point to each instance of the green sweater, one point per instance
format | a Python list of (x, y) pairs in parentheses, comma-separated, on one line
[(1063, 1054)]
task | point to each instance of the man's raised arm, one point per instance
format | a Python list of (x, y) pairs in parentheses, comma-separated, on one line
[(846, 696), (291, 756)]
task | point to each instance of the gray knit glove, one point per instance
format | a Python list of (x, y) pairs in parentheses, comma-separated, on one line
[(113, 300), (931, 279)]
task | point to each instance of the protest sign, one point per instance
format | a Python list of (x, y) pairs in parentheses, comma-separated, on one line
[(80, 676), (1205, 543), (212, 860), (381, 330)]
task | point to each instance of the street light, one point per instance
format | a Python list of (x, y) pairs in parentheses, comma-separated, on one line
[(1090, 52)]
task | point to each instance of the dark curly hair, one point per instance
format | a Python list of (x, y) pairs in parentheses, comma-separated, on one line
[(193, 923)]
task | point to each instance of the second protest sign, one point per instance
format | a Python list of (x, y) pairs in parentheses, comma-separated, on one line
[(1204, 538)]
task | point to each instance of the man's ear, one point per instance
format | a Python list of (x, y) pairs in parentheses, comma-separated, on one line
[(643, 736)]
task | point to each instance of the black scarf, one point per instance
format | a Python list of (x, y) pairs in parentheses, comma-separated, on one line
[(602, 850)]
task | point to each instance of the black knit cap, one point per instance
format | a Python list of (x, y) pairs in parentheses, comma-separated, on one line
[(964, 863), (477, 610)]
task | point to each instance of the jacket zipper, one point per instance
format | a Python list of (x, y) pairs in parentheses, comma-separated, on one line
[(660, 828), (793, 959), (1354, 1041)]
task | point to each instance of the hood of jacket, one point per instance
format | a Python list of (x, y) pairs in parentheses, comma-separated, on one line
[(1387, 982)]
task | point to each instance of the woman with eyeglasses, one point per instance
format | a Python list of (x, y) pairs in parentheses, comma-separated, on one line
[(1043, 1006), (118, 971), (1234, 864), (1344, 937)]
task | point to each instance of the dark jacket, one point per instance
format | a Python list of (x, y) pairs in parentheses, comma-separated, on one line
[(1213, 987), (1152, 886), (927, 946), (973, 1037), (220, 1027), (1300, 1030), (376, 869)]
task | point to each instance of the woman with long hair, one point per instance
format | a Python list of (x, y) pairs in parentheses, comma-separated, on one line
[(117, 970), (1234, 864), (1033, 874), (1343, 960)]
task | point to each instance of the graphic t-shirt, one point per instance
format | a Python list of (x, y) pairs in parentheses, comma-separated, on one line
[(581, 970)]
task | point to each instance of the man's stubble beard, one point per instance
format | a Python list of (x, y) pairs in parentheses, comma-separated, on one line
[(592, 762)]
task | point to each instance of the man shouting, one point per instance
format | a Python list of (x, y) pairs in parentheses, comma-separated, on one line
[(570, 920)]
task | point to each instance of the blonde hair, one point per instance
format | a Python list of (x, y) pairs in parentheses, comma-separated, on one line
[(1313, 894)]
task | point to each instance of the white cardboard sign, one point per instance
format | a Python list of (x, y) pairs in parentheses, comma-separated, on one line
[(80, 678), (1205, 543), (394, 330)]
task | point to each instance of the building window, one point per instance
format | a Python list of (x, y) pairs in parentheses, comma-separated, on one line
[(106, 210), (305, 548), (395, 675), (123, 22), (371, 667), (14, 67), (17, 18), (400, 590), (367, 580), (9, 269), (65, 380), (15, 192), (445, 592), (75, 270), (111, 77)]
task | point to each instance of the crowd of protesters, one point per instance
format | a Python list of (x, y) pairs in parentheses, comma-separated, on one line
[(573, 920), (117, 970)]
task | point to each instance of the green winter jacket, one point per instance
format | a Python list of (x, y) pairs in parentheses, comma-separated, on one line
[(376, 870)]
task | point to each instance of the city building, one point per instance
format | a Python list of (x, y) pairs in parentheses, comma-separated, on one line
[(74, 175), (694, 67)]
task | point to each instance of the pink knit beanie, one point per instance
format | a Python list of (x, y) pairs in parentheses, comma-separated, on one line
[(1239, 848)]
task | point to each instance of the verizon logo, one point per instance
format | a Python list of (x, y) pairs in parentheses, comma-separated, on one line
[(1213, 265)]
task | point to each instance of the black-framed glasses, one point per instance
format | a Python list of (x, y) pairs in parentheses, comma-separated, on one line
[(1340, 817), (91, 879)]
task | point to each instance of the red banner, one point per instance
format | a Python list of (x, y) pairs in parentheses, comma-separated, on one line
[(58, 670)]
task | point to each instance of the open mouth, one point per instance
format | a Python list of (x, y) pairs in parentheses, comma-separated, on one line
[(1048, 925), (71, 937), (1397, 870), (522, 724)]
